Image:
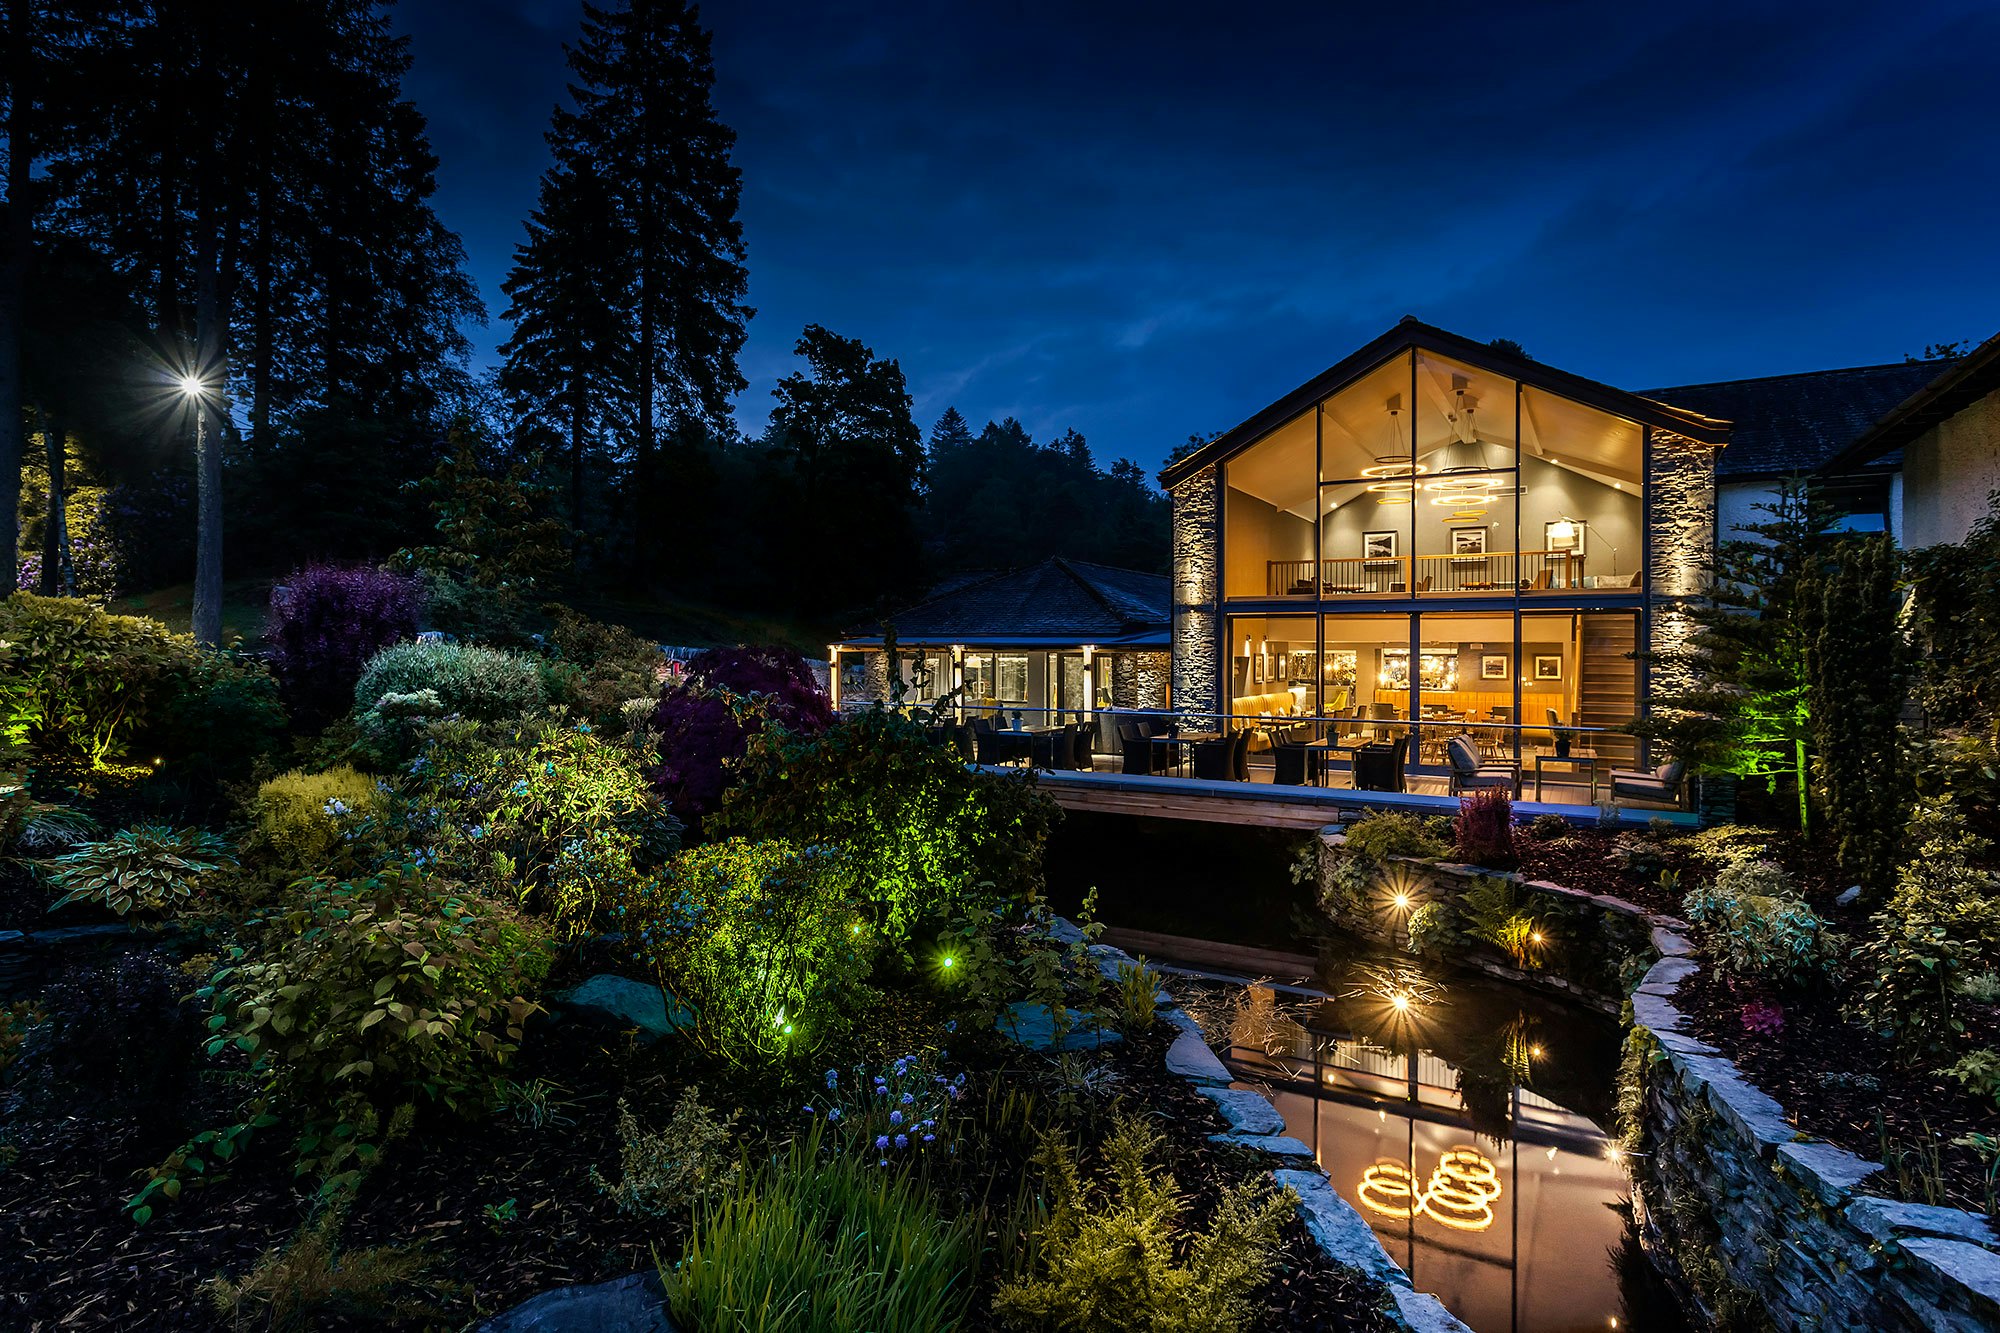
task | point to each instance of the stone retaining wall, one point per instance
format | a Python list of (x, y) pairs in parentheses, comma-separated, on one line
[(1765, 1224)]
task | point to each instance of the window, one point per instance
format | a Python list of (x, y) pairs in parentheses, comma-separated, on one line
[(996, 678)]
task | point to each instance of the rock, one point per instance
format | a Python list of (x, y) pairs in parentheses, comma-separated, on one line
[(1190, 1058), (1756, 1115), (1339, 1229), (1884, 1218), (1664, 977), (1425, 1313), (1670, 945), (607, 998), (1650, 1010), (633, 1304), (1065, 931), (1033, 1026), (1828, 1171), (1848, 896), (1280, 1145), (1247, 1112), (1976, 1269)]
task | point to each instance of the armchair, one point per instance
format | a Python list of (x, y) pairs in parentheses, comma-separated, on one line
[(1662, 784)]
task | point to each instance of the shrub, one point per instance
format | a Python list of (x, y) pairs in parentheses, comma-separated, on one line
[(824, 1246), (376, 992), (1549, 827), (1431, 930), (1756, 929), (1110, 1257), (311, 1278), (151, 868), (300, 820), (668, 1172), (548, 811), (1387, 833), (614, 665), (705, 720), (1138, 997), (325, 623), (84, 689), (901, 1114), (928, 836), (1938, 931), (388, 734), (1485, 829), (483, 683), (1978, 1073), (764, 940)]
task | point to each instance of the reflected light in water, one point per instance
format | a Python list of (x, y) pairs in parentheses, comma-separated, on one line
[(1460, 1193)]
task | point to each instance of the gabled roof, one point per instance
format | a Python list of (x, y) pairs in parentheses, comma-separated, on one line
[(1056, 602), (1789, 424), (1962, 383), (1413, 332)]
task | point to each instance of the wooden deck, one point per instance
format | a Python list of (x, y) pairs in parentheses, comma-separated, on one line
[(1266, 805)]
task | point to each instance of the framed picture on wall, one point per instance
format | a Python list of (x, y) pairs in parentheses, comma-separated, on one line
[(1378, 545), (1468, 541), (1565, 535), (1493, 666), (1257, 669), (1548, 666)]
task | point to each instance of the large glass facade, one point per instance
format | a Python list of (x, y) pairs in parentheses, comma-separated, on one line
[(1435, 478)]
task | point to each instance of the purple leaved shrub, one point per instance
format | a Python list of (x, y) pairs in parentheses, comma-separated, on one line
[(706, 719), (326, 621)]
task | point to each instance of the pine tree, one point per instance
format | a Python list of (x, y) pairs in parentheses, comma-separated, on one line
[(643, 120)]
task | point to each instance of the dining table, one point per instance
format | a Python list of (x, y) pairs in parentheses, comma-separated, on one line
[(1176, 754)]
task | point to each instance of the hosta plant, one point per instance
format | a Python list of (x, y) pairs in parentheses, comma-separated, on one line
[(151, 868)]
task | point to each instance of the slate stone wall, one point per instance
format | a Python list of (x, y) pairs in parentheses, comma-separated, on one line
[(1197, 612), (1680, 541)]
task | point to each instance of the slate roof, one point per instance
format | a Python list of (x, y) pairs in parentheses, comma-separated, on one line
[(1957, 386), (1058, 602), (1787, 424)]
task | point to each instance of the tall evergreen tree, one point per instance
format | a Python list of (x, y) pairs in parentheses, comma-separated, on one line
[(568, 372), (849, 459), (642, 120)]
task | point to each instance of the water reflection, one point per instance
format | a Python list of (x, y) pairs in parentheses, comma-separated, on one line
[(1445, 1114)]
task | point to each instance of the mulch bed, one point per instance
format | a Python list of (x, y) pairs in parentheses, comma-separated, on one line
[(71, 1259), (1837, 1082)]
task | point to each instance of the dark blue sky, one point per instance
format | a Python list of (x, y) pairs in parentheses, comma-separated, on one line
[(1148, 220)]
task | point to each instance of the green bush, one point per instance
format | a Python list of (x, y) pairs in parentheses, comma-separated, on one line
[(1115, 1257), (151, 869), (1387, 833), (487, 684), (668, 1172), (364, 995), (84, 689), (824, 1246), (1938, 931), (765, 941), (1549, 827), (1755, 928), (1978, 1073), (929, 837), (613, 666), (1431, 930), (547, 811), (300, 821)]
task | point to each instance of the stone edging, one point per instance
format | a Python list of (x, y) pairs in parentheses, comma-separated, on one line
[(1799, 1235), (1334, 1224)]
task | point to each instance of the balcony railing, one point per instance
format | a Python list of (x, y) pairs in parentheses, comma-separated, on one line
[(1496, 572)]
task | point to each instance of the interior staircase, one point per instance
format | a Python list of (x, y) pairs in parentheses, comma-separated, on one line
[(1607, 694)]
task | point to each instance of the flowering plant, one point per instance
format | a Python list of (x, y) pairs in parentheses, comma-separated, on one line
[(903, 1112)]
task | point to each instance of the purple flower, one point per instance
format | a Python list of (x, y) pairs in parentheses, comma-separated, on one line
[(833, 1114), (895, 1117), (930, 1138), (907, 1099), (832, 1079), (902, 1140), (881, 1140), (809, 1110)]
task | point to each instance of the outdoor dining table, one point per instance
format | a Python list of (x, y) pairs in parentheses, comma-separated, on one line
[(1336, 744), (1178, 756)]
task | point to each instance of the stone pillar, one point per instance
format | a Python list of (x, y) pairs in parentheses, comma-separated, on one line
[(1680, 551), (1152, 673), (1197, 623)]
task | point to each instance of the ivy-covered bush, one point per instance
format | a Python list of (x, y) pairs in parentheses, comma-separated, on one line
[(929, 837), (488, 684), (325, 623), (765, 941), (152, 869), (706, 718), (363, 995), (546, 811), (1754, 926), (81, 689)]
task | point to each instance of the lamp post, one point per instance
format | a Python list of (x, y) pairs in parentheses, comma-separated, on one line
[(207, 616)]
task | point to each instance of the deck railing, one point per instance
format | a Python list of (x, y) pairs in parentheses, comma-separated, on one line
[(1464, 572)]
